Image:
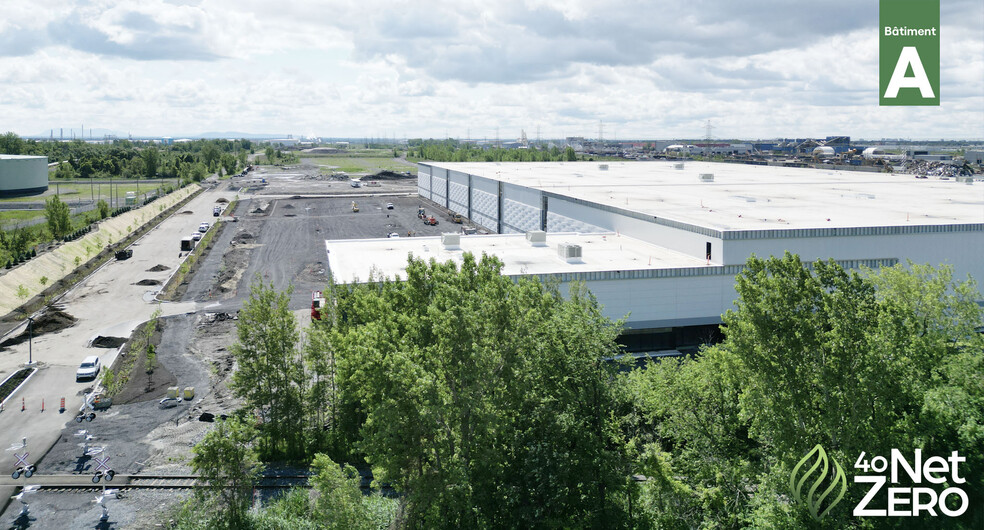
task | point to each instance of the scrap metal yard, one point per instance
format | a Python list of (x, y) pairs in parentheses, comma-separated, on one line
[(276, 235)]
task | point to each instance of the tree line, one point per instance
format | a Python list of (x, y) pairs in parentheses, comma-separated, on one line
[(451, 150), (188, 161), (489, 402)]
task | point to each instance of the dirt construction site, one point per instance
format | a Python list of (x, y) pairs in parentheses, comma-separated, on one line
[(272, 226)]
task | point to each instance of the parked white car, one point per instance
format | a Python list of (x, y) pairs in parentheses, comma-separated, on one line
[(89, 368), (203, 227)]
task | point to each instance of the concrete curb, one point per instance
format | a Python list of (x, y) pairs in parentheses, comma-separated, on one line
[(34, 370)]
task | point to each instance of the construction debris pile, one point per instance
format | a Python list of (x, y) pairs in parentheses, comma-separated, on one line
[(935, 169)]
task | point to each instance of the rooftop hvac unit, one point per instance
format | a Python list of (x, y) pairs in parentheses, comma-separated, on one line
[(569, 252), (537, 238), (707, 177), (451, 241), (603, 167), (678, 165)]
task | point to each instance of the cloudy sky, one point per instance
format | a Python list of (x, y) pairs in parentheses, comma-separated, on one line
[(430, 68)]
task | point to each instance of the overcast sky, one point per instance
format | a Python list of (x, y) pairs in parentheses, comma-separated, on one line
[(642, 69)]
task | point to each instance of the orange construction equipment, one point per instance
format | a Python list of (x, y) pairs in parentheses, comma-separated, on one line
[(62, 407)]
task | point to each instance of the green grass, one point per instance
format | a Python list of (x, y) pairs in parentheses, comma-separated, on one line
[(362, 165), (18, 216), (350, 153), (100, 189)]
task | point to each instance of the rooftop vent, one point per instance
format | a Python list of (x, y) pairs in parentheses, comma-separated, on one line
[(569, 252), (603, 167), (537, 238), (707, 177), (451, 241), (678, 165)]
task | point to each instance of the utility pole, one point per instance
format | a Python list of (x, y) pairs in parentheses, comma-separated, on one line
[(707, 138)]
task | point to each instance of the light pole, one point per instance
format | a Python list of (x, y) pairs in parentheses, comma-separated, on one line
[(30, 340)]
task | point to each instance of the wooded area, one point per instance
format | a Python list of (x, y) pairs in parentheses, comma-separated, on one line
[(484, 402)]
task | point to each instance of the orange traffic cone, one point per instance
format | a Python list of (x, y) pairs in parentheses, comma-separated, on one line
[(42, 404), (23, 407)]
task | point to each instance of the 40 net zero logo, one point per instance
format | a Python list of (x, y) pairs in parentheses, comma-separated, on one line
[(815, 485), (897, 486), (909, 52)]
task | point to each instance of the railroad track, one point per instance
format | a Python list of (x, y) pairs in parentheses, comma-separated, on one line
[(80, 483)]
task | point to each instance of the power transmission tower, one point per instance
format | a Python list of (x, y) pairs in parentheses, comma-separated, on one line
[(707, 138)]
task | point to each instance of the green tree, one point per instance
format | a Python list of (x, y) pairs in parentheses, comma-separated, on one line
[(210, 156), (569, 154), (103, 208), (85, 169), (11, 144), (269, 152), (812, 355), (198, 172), (229, 163), (152, 159), (461, 385), (59, 216), (338, 502), (270, 376), (64, 171), (228, 465)]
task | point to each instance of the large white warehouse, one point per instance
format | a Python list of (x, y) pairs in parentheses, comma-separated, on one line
[(23, 175), (662, 241)]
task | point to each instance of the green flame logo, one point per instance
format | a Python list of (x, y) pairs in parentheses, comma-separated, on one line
[(816, 475)]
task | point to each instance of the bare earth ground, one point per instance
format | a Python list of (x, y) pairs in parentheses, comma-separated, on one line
[(279, 237)]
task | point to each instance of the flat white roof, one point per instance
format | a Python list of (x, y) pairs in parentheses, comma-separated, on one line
[(20, 157), (353, 259), (748, 197)]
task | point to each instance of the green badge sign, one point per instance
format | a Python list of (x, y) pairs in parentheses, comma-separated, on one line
[(817, 483), (909, 52)]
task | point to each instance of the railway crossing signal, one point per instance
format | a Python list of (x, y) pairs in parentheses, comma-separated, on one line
[(103, 471), (86, 438), (22, 497), (101, 501), (22, 466), (87, 410)]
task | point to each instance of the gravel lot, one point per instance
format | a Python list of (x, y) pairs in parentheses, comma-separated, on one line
[(279, 237)]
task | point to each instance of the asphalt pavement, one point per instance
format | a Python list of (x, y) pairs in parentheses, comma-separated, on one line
[(107, 303)]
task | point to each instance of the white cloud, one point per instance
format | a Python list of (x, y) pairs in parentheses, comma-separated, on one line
[(359, 68)]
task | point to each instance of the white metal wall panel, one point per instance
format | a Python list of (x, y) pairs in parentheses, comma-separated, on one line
[(685, 241), (962, 250), (458, 201), (520, 209), (485, 203), (485, 209), (519, 217), (423, 181), (439, 186), (656, 302), (561, 223)]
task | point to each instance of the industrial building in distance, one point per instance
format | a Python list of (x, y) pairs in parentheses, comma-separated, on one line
[(660, 243), (23, 175)]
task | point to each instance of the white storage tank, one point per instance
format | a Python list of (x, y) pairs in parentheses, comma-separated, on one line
[(22, 175)]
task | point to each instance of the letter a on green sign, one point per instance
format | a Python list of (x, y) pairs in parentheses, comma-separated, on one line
[(909, 52)]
